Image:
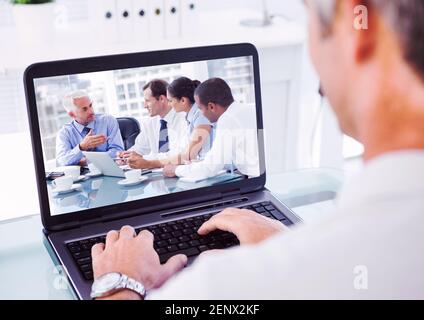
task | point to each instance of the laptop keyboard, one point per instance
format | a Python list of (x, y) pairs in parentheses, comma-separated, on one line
[(176, 237)]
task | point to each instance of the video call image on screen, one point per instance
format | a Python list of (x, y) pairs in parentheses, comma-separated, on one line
[(123, 135)]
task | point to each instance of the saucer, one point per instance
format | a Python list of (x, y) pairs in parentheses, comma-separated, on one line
[(71, 189), (130, 183), (93, 174)]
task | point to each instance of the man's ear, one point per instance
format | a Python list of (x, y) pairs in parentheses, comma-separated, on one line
[(163, 98), (211, 106), (366, 25), (71, 114)]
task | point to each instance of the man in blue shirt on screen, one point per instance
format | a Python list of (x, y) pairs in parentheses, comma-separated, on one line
[(87, 132)]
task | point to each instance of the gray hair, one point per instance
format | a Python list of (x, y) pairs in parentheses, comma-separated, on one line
[(405, 17), (68, 100)]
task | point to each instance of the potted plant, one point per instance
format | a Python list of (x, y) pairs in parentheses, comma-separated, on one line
[(31, 1), (34, 20)]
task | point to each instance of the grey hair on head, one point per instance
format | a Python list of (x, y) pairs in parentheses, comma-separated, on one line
[(68, 100), (405, 17)]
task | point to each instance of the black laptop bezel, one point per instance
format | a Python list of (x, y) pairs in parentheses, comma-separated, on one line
[(124, 61)]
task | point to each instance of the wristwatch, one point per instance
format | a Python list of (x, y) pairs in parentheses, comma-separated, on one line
[(113, 282)]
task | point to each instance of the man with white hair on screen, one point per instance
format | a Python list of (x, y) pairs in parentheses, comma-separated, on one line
[(86, 132)]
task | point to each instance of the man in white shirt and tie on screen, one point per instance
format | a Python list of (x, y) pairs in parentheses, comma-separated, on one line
[(235, 145), (163, 134), (372, 248)]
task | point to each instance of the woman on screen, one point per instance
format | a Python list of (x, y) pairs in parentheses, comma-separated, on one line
[(181, 97)]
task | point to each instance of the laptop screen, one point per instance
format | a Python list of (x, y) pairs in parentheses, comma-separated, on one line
[(124, 135)]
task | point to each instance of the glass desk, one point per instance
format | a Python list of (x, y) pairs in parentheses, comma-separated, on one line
[(27, 271)]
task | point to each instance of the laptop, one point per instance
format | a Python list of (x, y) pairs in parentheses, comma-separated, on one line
[(170, 209), (107, 165)]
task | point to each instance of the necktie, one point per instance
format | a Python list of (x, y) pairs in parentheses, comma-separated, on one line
[(85, 131), (163, 137)]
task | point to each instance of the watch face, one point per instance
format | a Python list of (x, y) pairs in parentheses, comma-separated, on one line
[(107, 282)]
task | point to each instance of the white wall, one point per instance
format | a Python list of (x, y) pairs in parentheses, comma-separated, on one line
[(294, 9), (213, 5)]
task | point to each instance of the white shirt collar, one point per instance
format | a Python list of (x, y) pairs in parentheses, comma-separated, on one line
[(80, 127)]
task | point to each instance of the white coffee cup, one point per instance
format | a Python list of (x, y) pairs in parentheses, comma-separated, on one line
[(93, 168), (63, 183), (133, 175), (73, 171)]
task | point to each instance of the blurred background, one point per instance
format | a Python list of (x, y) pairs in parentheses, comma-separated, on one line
[(300, 128)]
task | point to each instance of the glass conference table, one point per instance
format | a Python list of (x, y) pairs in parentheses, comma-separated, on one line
[(28, 272), (105, 190)]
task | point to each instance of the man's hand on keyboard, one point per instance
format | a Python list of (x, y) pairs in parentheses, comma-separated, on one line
[(135, 257), (248, 226)]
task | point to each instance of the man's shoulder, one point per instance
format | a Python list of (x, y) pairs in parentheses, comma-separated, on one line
[(238, 114), (66, 128), (148, 123), (105, 117), (148, 120), (238, 107)]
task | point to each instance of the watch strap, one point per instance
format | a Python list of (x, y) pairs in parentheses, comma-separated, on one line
[(134, 285)]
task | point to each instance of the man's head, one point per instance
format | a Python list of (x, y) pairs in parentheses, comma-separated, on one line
[(364, 70), (213, 98), (79, 107), (155, 99)]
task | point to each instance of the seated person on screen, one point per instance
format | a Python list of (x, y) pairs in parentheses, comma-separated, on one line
[(163, 134), (235, 145), (87, 132), (199, 129)]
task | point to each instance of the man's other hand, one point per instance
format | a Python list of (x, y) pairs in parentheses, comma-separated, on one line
[(122, 157), (135, 257), (124, 154), (91, 141), (136, 161), (249, 227)]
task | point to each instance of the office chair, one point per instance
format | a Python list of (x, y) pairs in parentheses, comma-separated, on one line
[(130, 129)]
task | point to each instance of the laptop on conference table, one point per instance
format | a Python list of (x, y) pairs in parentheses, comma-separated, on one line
[(107, 166), (74, 222)]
